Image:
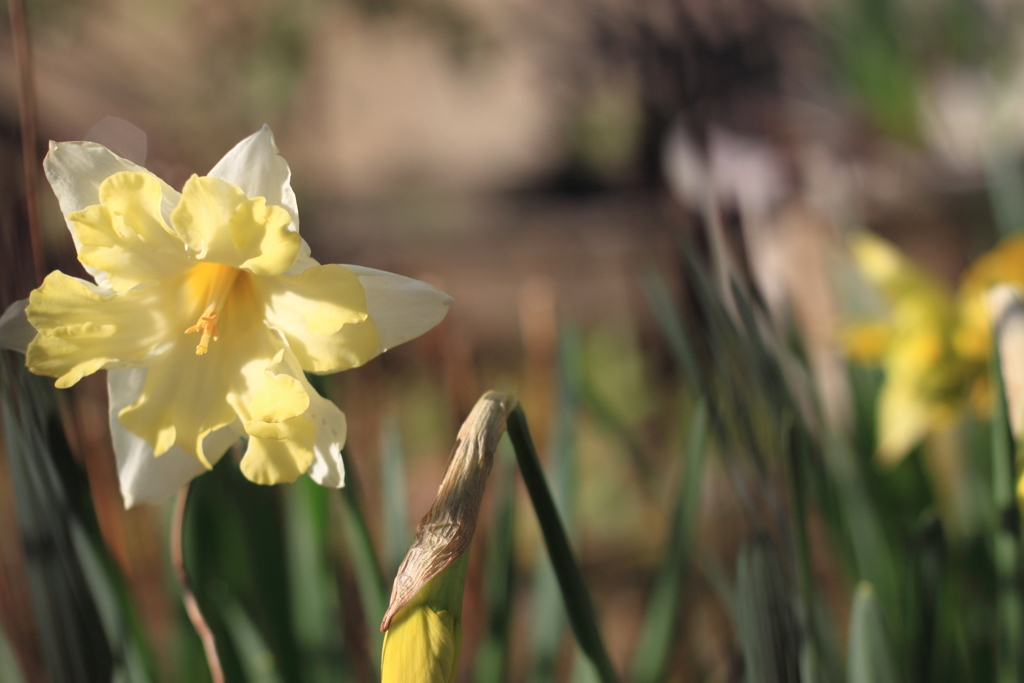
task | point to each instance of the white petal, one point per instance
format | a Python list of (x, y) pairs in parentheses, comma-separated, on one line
[(76, 170), (400, 307), (15, 330), (145, 478), (331, 429), (255, 165)]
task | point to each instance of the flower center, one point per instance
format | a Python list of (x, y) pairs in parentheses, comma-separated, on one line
[(214, 281)]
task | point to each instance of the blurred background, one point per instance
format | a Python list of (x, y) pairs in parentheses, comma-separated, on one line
[(557, 168)]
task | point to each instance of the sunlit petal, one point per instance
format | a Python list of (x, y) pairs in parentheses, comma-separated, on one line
[(77, 169), (903, 420), (328, 467), (186, 396), (322, 312), (143, 477), (278, 452), (292, 428), (221, 225), (256, 167), (1002, 265), (83, 329), (126, 235), (401, 308)]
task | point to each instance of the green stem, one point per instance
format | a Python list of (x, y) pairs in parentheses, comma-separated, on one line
[(1006, 535), (370, 581), (578, 605)]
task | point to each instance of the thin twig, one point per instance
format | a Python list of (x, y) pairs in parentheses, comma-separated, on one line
[(195, 615), (27, 114)]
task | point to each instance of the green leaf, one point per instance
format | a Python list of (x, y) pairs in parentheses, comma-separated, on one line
[(10, 670), (313, 587), (869, 659), (397, 536), (72, 634), (765, 626), (660, 626), (256, 658), (373, 594), (547, 615), (1006, 533)]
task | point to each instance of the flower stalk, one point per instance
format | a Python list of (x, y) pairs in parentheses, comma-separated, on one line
[(578, 605), (188, 597), (27, 117)]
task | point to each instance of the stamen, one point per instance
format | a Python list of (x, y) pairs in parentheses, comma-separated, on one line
[(218, 281), (208, 326)]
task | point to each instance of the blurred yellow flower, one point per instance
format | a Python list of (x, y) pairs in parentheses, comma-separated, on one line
[(993, 287), (207, 310), (932, 358)]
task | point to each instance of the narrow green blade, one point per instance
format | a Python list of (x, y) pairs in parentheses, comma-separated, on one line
[(547, 615), (256, 657), (72, 635), (373, 593), (654, 647), (765, 625), (869, 659), (313, 587), (397, 536), (1006, 536), (10, 670)]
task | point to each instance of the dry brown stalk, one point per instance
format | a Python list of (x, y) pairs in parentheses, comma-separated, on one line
[(195, 615)]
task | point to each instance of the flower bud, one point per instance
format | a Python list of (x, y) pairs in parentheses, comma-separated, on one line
[(423, 632)]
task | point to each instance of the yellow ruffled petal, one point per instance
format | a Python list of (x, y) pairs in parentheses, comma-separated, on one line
[(322, 312), (278, 452), (281, 397), (420, 646), (221, 225), (275, 408), (125, 234), (82, 330), (186, 396)]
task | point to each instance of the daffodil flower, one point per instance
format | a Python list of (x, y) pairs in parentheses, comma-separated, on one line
[(927, 352), (207, 311), (994, 285)]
